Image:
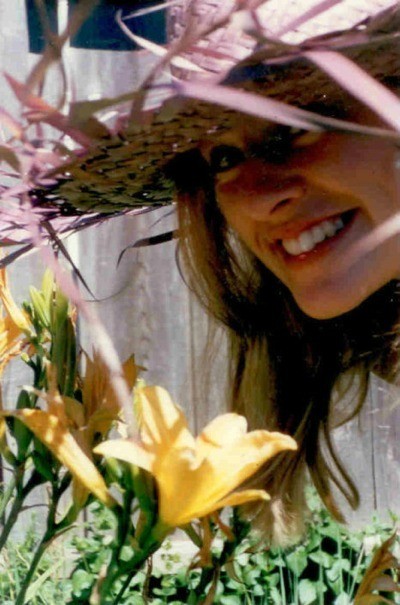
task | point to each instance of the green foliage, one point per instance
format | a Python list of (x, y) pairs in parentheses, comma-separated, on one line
[(91, 551), (109, 560), (49, 584), (326, 567)]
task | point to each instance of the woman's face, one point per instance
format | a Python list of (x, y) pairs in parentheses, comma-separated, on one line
[(301, 201)]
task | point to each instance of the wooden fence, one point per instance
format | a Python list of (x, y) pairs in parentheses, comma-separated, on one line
[(147, 308)]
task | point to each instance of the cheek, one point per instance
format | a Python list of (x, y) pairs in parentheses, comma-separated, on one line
[(239, 225), (357, 167), (232, 210)]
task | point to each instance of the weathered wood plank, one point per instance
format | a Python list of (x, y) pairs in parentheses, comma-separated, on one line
[(386, 446)]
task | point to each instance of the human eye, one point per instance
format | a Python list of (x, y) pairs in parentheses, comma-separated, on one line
[(225, 157), (305, 138), (286, 137), (279, 142)]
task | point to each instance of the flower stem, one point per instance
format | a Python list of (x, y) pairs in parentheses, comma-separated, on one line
[(131, 567), (11, 519), (20, 600), (21, 492), (49, 535), (7, 495)]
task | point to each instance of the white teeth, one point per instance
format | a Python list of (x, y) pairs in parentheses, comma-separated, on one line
[(329, 228), (308, 239), (318, 234)]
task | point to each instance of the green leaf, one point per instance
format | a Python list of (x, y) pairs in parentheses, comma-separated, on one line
[(48, 285), (22, 435), (40, 310), (258, 590), (337, 568), (322, 558), (42, 466), (58, 351), (275, 596), (297, 561), (273, 578), (59, 311), (307, 592), (243, 558), (81, 581), (231, 600), (127, 553), (70, 360), (34, 588), (331, 530), (342, 599)]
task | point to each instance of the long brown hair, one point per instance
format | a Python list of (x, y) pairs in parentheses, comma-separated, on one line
[(287, 371)]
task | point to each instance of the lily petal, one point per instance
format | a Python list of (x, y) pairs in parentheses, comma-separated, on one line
[(127, 450), (220, 432), (164, 425), (100, 404), (235, 499), (53, 433), (241, 459), (219, 474), (14, 312)]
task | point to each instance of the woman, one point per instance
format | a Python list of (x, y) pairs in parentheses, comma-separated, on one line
[(276, 208), (265, 243), (269, 227)]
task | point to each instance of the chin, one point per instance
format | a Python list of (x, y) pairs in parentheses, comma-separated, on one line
[(341, 293), (328, 305)]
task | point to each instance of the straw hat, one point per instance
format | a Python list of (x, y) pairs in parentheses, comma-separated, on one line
[(225, 57)]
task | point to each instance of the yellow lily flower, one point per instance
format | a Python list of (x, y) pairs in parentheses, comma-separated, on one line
[(68, 428), (100, 405), (195, 476), (13, 324)]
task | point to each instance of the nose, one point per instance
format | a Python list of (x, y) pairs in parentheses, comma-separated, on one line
[(263, 191)]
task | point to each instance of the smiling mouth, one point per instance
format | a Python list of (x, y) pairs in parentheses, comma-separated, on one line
[(312, 238)]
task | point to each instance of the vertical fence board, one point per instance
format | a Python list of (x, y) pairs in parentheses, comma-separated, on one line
[(386, 446)]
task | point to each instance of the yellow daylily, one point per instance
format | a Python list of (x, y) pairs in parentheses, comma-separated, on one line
[(100, 404), (13, 324), (195, 476), (68, 428)]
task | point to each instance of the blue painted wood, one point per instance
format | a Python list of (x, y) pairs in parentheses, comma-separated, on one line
[(102, 32), (36, 38)]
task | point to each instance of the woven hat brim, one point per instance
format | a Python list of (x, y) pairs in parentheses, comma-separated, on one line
[(124, 171)]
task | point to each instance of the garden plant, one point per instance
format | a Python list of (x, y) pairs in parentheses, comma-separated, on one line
[(67, 432)]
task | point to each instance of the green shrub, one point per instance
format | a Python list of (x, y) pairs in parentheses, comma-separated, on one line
[(326, 568)]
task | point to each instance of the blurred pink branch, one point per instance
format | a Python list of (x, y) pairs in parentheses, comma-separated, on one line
[(101, 340), (359, 84), (276, 111)]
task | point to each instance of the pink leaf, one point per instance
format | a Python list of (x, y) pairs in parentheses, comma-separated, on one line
[(14, 127), (360, 84), (8, 155), (26, 97), (275, 111), (43, 112)]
